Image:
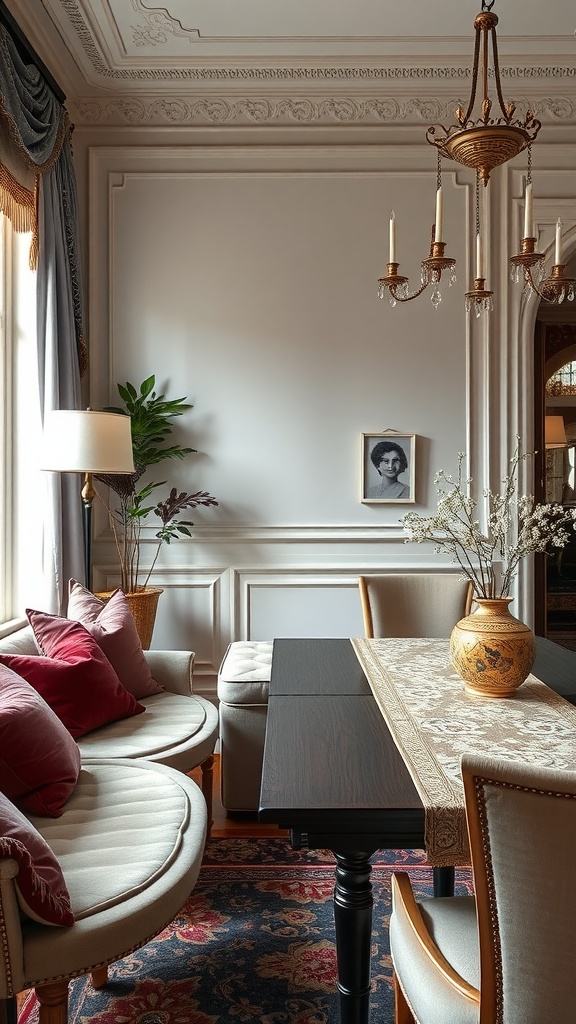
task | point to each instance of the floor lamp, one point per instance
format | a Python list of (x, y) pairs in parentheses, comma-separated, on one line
[(88, 442)]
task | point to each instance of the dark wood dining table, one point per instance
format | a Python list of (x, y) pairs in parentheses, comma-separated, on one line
[(333, 776)]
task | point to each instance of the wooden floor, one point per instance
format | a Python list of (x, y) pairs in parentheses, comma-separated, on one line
[(238, 825)]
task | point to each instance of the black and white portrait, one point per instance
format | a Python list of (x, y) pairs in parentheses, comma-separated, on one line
[(388, 467)]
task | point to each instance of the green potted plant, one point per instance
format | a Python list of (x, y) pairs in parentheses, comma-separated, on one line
[(151, 416)]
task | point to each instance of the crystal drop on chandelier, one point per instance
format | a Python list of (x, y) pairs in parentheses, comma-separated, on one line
[(436, 298)]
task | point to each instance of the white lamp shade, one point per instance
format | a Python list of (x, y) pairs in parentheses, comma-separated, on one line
[(555, 432), (84, 441)]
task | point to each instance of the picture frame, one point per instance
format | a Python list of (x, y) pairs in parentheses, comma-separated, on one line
[(398, 451)]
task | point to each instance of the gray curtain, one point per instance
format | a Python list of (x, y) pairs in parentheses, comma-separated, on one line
[(58, 299), (38, 194)]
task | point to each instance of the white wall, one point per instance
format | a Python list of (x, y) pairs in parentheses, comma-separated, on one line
[(245, 277)]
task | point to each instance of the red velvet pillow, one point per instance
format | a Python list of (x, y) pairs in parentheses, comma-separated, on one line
[(40, 885), (39, 759), (75, 678), (114, 630)]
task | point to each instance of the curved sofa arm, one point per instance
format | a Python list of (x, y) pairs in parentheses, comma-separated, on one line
[(172, 669)]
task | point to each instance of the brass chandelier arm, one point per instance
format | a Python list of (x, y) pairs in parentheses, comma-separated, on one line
[(554, 288), (508, 111), (394, 280), (431, 273), (463, 121)]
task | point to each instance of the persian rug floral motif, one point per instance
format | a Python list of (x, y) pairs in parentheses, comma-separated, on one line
[(433, 722), (254, 944)]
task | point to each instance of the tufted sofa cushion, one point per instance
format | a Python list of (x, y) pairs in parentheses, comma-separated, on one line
[(144, 811), (130, 844), (167, 724), (244, 676)]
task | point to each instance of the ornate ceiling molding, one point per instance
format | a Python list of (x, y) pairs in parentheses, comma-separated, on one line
[(158, 25), (252, 110)]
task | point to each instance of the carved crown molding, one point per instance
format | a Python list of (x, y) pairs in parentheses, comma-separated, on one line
[(218, 110)]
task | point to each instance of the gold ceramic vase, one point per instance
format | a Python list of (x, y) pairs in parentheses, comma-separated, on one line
[(491, 650)]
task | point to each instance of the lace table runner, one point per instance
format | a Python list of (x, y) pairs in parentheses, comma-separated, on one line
[(433, 722)]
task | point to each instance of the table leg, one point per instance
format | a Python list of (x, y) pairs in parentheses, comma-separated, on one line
[(353, 920), (443, 881)]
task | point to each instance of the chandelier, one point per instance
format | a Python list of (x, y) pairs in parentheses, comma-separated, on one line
[(485, 135)]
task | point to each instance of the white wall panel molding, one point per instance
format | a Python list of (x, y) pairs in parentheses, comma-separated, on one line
[(193, 614), (201, 535), (306, 602)]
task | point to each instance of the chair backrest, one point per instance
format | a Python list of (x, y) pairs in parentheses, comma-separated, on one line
[(522, 827), (413, 604)]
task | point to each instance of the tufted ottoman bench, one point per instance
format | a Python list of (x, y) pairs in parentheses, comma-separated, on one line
[(243, 683)]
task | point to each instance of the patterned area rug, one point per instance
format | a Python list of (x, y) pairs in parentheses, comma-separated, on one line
[(254, 944)]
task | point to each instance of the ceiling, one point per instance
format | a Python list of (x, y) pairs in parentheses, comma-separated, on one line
[(131, 60)]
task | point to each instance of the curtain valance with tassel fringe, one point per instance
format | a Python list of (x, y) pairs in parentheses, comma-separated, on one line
[(33, 125)]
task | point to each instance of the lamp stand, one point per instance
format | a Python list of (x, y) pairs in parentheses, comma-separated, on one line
[(88, 495)]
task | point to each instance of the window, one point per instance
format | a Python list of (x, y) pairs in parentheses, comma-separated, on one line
[(563, 382), (21, 482)]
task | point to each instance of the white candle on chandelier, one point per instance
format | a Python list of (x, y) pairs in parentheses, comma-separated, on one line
[(438, 222), (479, 256), (558, 246), (392, 256), (528, 211)]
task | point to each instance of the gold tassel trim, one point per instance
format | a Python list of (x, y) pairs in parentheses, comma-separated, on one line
[(20, 206)]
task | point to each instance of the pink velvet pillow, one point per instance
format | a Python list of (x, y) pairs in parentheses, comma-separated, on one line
[(75, 678), (39, 759), (114, 630), (40, 885)]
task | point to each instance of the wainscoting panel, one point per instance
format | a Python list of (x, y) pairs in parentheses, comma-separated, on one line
[(298, 602)]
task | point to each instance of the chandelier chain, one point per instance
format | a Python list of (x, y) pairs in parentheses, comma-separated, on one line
[(487, 5), (477, 202), (529, 172)]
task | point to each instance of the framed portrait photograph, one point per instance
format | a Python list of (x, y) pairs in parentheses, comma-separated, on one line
[(388, 464)]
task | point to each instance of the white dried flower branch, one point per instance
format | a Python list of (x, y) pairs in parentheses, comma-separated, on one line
[(515, 527)]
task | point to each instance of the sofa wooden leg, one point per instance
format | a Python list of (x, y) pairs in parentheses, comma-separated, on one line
[(402, 1012), (99, 977), (53, 999), (207, 767)]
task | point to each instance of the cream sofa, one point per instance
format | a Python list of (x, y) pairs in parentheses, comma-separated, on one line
[(179, 728), (129, 841)]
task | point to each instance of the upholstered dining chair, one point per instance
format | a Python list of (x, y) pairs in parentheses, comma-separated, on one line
[(413, 604), (506, 957)]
